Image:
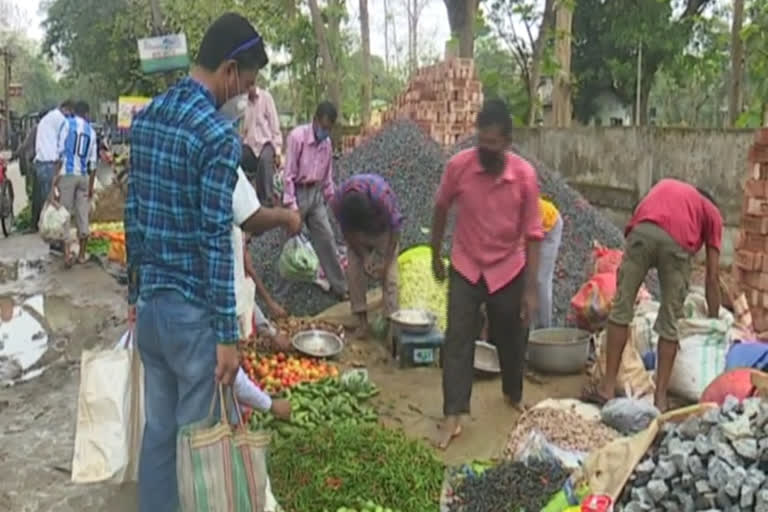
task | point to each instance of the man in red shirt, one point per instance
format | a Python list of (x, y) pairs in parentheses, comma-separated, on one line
[(669, 226), (494, 260)]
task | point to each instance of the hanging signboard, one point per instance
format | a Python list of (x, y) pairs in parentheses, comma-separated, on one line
[(127, 107), (164, 53)]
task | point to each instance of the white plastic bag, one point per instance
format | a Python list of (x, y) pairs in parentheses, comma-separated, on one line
[(536, 447), (54, 223), (298, 260), (110, 415), (704, 344)]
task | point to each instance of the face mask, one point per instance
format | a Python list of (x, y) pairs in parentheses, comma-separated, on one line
[(320, 134), (490, 160), (234, 109)]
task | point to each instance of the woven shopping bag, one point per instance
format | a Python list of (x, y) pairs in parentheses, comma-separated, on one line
[(221, 467)]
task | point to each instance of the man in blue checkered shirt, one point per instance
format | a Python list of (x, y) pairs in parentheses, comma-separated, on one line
[(178, 222)]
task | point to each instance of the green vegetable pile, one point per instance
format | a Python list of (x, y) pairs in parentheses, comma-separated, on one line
[(418, 287), (329, 469), (328, 402), (368, 506), (97, 246), (23, 220)]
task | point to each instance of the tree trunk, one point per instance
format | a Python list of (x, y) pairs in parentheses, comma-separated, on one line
[(562, 107), (461, 17), (547, 21), (293, 17), (365, 35), (386, 35), (329, 67), (737, 63)]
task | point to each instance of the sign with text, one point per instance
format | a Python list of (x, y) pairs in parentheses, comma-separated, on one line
[(127, 107), (15, 90), (164, 53)]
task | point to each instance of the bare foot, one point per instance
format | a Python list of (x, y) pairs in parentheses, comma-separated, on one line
[(449, 429), (661, 402)]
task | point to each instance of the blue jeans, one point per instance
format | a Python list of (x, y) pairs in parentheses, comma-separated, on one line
[(44, 178), (178, 348)]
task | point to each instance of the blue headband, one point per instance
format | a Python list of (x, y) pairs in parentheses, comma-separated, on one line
[(245, 46)]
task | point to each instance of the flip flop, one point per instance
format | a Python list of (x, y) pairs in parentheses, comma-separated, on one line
[(591, 395)]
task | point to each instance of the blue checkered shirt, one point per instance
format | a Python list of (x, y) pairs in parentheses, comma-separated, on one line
[(178, 211)]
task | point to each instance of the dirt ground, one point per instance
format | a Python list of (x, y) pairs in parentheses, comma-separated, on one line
[(85, 308)]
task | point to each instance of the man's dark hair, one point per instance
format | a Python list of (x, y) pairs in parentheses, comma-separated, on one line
[(359, 214), (708, 196), (249, 161), (82, 108), (68, 104), (326, 110), (495, 113), (232, 37)]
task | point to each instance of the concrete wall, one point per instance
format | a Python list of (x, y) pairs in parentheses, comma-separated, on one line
[(615, 166)]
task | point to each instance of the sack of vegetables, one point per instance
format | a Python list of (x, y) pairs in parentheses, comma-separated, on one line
[(298, 260)]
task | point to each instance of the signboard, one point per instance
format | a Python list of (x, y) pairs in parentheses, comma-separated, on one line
[(15, 90), (108, 108), (127, 107), (164, 53)]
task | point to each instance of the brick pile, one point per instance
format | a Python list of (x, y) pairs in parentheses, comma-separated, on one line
[(443, 99), (752, 249)]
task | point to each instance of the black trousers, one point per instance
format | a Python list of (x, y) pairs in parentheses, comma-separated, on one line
[(265, 176), (505, 328)]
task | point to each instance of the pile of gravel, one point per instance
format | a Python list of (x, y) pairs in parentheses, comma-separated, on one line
[(413, 164), (716, 461)]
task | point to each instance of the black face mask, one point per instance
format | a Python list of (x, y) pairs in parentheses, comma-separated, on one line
[(490, 160)]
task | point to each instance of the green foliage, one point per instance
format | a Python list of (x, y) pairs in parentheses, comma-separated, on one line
[(755, 35), (500, 76)]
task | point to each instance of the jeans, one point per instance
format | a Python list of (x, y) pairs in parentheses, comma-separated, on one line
[(43, 179), (177, 345)]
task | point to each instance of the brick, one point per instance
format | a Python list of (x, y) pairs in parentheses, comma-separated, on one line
[(758, 153), (748, 260), (760, 320), (755, 225), (756, 206), (761, 136), (753, 242), (756, 188)]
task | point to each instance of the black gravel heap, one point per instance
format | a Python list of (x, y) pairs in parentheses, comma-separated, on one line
[(413, 164), (510, 486)]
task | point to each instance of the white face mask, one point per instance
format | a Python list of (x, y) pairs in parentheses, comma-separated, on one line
[(234, 109)]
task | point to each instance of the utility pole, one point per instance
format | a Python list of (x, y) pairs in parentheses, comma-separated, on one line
[(7, 58)]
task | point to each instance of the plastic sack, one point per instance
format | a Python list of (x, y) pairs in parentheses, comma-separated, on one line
[(536, 447), (298, 260), (632, 379), (606, 260), (110, 415), (628, 415), (54, 223), (592, 303)]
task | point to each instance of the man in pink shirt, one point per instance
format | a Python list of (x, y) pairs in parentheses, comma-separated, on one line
[(669, 226), (261, 133), (494, 260), (308, 186)]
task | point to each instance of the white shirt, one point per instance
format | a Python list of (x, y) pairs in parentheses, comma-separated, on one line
[(47, 137), (77, 147), (245, 203)]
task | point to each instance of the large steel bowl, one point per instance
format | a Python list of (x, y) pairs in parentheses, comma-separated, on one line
[(414, 321), (317, 343), (558, 350)]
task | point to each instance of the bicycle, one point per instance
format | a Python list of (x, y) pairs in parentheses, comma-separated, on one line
[(6, 199)]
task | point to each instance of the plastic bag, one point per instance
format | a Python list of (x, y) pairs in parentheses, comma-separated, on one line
[(54, 223), (606, 260), (536, 447), (298, 260), (592, 303), (628, 415)]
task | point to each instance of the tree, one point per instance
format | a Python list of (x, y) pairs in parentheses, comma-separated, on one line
[(756, 40), (365, 36), (531, 54), (461, 17), (607, 38), (737, 63), (330, 70), (562, 109), (414, 9), (497, 70)]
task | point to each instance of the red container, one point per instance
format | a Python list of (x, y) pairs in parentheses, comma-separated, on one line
[(597, 503)]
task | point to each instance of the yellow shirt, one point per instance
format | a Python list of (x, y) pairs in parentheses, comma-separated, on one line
[(549, 214)]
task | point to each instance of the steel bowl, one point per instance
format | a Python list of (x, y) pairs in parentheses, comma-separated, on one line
[(401, 321), (486, 357), (558, 350), (317, 343)]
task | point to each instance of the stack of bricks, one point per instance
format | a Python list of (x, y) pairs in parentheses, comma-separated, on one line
[(751, 260), (444, 99)]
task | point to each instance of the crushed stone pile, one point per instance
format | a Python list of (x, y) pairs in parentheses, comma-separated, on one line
[(715, 461), (413, 163)]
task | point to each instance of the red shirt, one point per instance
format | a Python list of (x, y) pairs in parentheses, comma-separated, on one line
[(496, 214), (680, 210)]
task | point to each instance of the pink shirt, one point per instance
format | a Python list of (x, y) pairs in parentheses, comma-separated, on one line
[(307, 162), (680, 210), (495, 217), (262, 124)]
